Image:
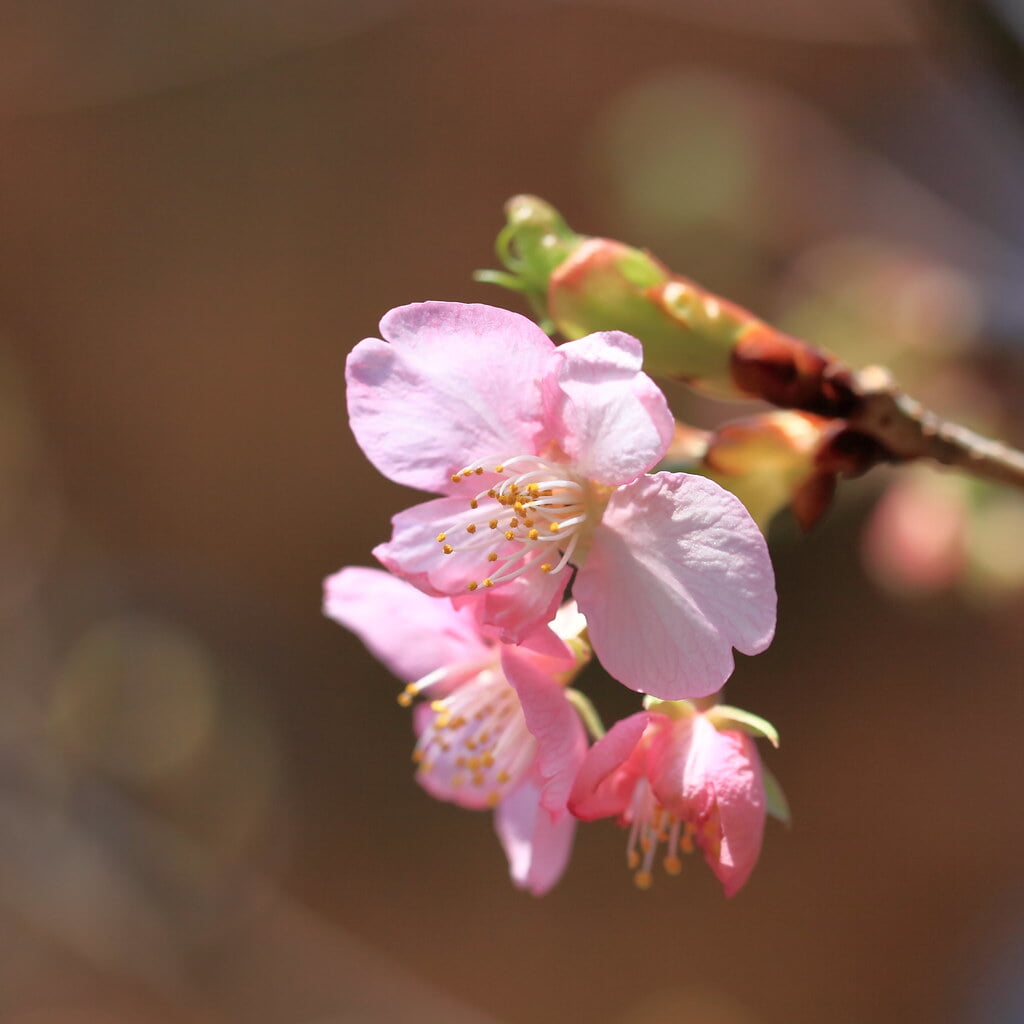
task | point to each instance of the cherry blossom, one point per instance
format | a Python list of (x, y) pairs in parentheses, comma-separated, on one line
[(541, 455), (677, 783), (497, 729)]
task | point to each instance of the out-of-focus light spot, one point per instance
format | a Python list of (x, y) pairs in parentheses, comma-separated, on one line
[(997, 554), (689, 1007), (677, 152), (135, 697), (871, 301)]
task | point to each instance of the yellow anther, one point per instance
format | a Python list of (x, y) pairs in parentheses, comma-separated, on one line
[(442, 537), (686, 842), (493, 524), (456, 477), (405, 699), (493, 556), (534, 489), (642, 879), (437, 706), (554, 527), (488, 582), (473, 503), (645, 844), (519, 508), (488, 759), (632, 860), (479, 470), (527, 521), (499, 468), (545, 567), (447, 549), (513, 522), (471, 528), (503, 776), (472, 585), (509, 535), (492, 493), (533, 534), (417, 756), (672, 864)]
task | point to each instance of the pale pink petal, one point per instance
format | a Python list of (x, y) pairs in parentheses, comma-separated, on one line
[(677, 575), (613, 420), (456, 383), (415, 554), (411, 633), (609, 773), (551, 719), (537, 845), (513, 608), (739, 791)]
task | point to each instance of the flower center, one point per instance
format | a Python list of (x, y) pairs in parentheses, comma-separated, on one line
[(650, 826), (532, 515), (477, 741)]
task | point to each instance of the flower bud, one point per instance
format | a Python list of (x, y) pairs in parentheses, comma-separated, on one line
[(579, 285), (773, 460)]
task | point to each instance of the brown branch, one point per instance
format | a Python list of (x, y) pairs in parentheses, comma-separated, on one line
[(906, 430)]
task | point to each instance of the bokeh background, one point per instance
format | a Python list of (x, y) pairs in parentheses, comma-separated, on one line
[(207, 812)]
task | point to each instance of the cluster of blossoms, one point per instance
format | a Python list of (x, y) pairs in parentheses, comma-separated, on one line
[(542, 458)]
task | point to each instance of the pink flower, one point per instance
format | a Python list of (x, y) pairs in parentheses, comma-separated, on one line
[(677, 782), (498, 731), (541, 453)]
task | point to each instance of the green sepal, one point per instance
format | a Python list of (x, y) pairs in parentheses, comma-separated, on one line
[(587, 712), (722, 716), (776, 803)]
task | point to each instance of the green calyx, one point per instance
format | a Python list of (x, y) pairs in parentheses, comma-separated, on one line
[(534, 242)]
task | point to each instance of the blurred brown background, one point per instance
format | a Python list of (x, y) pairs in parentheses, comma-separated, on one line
[(206, 806)]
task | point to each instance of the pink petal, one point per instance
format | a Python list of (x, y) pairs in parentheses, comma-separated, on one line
[(677, 575), (537, 845), (614, 422), (513, 608), (551, 719), (739, 790), (680, 772), (456, 383), (411, 633), (606, 779)]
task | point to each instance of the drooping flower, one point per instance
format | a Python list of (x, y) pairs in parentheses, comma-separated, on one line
[(541, 454), (678, 783), (496, 730)]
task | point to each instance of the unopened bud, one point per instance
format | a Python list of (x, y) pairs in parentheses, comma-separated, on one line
[(773, 460), (579, 285)]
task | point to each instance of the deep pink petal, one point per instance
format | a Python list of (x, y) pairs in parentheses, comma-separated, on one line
[(680, 773), (411, 633), (453, 383), (677, 575), (609, 773), (739, 791), (537, 845), (613, 420), (551, 719), (518, 608)]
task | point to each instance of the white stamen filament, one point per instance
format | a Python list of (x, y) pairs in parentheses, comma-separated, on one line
[(536, 507)]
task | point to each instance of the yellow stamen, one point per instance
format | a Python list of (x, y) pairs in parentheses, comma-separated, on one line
[(447, 549), (643, 879), (472, 585), (471, 528), (493, 556)]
